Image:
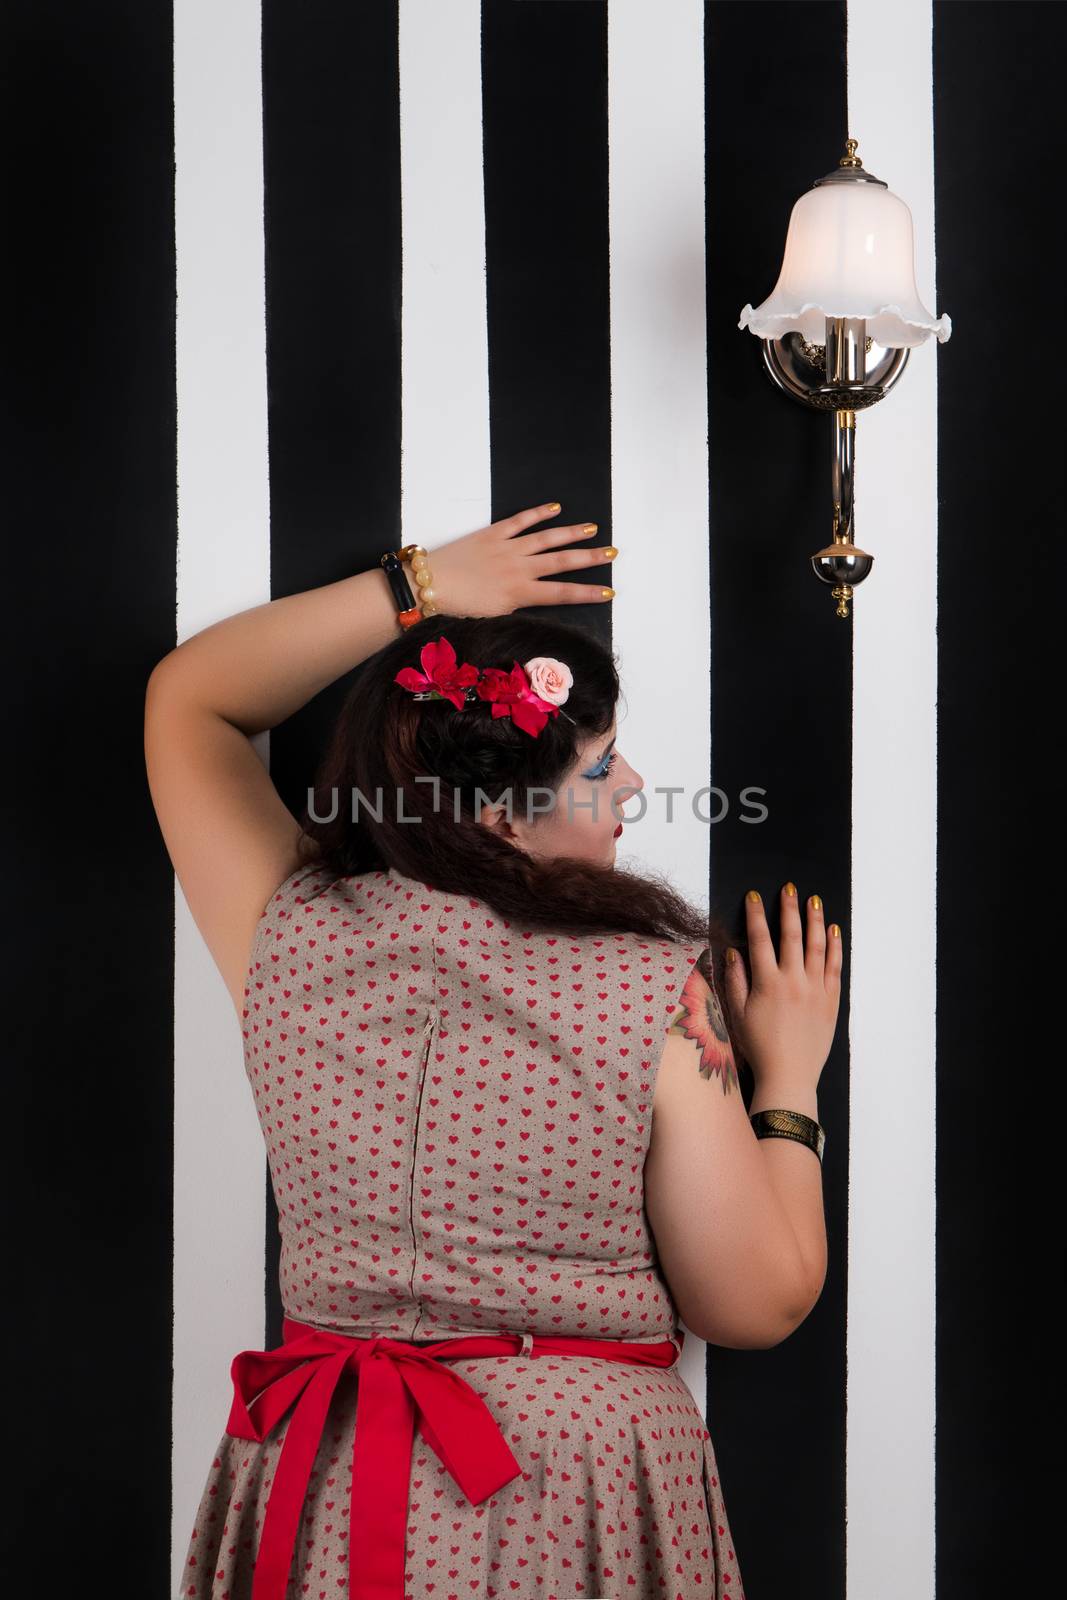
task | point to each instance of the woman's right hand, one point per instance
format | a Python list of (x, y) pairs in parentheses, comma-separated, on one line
[(785, 1022)]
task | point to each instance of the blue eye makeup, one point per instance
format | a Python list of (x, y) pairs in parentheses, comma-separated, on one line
[(603, 767), (602, 772)]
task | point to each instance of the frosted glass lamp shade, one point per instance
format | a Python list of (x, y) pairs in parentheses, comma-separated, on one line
[(849, 252)]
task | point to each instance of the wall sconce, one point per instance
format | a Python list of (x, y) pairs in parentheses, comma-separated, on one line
[(839, 324)]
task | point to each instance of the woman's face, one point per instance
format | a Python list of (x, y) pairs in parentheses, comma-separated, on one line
[(582, 821)]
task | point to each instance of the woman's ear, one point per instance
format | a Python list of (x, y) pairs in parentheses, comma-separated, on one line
[(496, 819)]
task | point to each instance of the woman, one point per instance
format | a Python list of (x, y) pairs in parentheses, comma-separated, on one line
[(499, 1098)]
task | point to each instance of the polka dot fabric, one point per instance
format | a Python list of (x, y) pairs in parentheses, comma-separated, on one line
[(456, 1112)]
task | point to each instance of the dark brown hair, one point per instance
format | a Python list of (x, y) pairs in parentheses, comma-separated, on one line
[(384, 739)]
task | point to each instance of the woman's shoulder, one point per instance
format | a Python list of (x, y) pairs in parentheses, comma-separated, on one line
[(381, 893), (316, 881)]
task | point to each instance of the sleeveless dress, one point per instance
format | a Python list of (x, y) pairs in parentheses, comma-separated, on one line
[(456, 1112)]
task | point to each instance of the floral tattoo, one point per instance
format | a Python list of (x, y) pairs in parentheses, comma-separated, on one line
[(699, 1017)]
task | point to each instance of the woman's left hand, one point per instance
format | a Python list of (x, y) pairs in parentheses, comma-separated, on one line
[(497, 569)]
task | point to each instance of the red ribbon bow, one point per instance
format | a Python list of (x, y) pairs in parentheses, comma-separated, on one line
[(396, 1379)]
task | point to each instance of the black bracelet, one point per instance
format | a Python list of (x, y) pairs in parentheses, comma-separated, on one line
[(407, 607), (779, 1124)]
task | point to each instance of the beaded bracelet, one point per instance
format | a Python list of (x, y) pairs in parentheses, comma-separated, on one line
[(790, 1125), (410, 610)]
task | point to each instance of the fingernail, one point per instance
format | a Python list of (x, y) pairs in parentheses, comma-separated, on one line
[(790, 888), (753, 894), (816, 903), (835, 931), (609, 552), (608, 593), (731, 957), (555, 506), (589, 527)]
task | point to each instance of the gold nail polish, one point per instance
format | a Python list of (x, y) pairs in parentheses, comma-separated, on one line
[(589, 527), (790, 889), (731, 957), (835, 931), (609, 552), (754, 896), (816, 903), (609, 594), (554, 507)]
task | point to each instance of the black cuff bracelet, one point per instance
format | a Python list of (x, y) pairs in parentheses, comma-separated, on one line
[(789, 1125)]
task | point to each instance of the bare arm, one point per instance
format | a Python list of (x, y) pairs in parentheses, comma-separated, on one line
[(725, 1243), (796, 1173), (231, 839), (257, 668), (230, 836)]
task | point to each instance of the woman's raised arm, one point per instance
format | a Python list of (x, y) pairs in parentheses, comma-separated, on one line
[(230, 837)]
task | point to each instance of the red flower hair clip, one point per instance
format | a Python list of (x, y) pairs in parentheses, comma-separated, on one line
[(528, 694)]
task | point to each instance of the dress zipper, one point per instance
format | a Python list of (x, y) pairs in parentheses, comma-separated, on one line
[(427, 1041)]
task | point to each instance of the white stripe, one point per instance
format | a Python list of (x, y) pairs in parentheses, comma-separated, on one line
[(223, 567), (659, 468), (446, 478), (891, 1311)]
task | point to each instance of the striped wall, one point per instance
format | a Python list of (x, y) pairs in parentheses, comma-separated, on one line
[(291, 283)]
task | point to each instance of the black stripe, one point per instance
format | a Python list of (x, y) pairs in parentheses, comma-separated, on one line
[(545, 114), (999, 157), (91, 521), (333, 281), (781, 719)]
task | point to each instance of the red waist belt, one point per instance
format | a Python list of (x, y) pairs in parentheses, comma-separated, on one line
[(397, 1379)]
